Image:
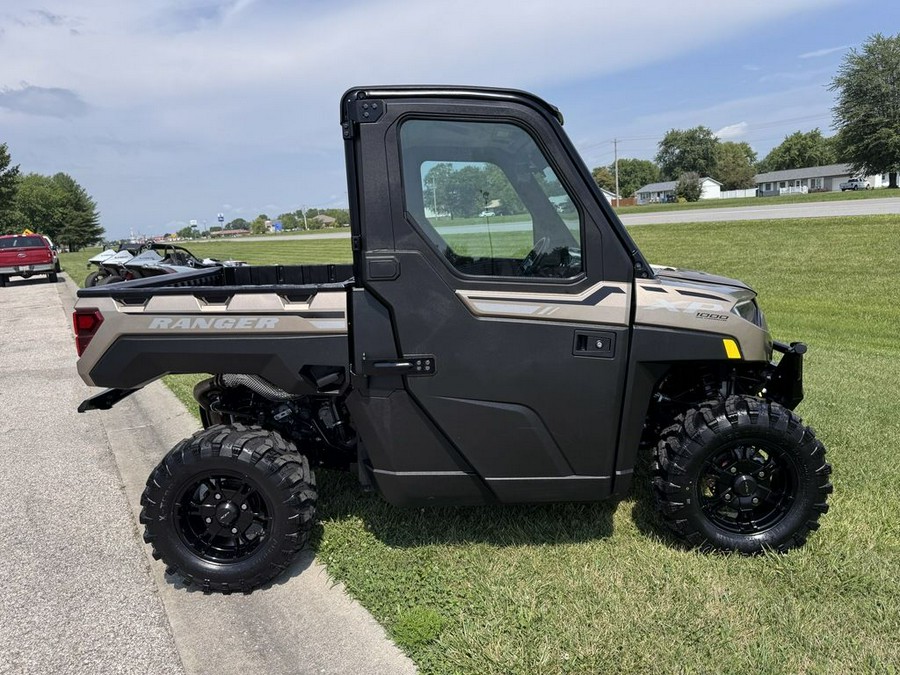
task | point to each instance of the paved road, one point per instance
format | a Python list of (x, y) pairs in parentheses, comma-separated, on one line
[(80, 593), (854, 207)]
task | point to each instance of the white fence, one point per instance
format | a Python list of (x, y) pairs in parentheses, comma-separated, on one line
[(734, 194)]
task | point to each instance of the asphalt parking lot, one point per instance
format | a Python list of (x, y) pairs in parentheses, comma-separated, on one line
[(80, 593)]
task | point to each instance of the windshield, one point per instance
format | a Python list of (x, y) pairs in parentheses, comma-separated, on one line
[(22, 242)]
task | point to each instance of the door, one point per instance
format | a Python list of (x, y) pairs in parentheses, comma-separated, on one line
[(509, 295)]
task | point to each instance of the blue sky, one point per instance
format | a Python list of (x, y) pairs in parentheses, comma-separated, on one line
[(172, 110)]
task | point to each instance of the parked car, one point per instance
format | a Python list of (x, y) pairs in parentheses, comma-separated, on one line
[(54, 249), (24, 255), (856, 184)]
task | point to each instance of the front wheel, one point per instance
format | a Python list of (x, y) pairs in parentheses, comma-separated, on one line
[(741, 475), (229, 508)]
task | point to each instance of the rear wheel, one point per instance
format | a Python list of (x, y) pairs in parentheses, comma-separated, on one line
[(3, 280), (110, 279), (53, 277), (91, 279), (229, 508), (741, 475)]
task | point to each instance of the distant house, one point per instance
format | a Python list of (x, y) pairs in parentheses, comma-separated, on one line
[(810, 179), (710, 188), (324, 221), (610, 196)]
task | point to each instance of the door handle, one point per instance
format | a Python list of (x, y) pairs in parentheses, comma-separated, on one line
[(601, 344)]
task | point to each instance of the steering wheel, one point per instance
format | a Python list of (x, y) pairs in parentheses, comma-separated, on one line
[(535, 255)]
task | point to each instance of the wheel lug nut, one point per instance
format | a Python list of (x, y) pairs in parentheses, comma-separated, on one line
[(727, 496), (243, 507), (755, 500), (761, 474), (218, 496), (733, 469), (233, 530), (209, 520)]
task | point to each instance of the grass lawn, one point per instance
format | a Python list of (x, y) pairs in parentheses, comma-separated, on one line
[(761, 201), (588, 588)]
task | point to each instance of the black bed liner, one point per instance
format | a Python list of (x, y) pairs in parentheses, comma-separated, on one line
[(282, 279)]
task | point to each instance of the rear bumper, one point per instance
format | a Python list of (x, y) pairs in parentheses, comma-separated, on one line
[(28, 270), (786, 381)]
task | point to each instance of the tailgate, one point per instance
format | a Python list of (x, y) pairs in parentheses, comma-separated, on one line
[(17, 257)]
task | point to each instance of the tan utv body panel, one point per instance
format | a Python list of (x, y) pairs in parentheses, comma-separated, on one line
[(677, 305), (606, 302), (704, 308), (254, 314)]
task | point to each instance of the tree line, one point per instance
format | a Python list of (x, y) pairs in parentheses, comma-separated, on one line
[(867, 119), (53, 205), (299, 219)]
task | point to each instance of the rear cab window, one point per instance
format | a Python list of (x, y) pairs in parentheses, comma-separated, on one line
[(23, 242)]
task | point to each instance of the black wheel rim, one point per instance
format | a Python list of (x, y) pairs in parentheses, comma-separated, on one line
[(747, 487), (222, 517)]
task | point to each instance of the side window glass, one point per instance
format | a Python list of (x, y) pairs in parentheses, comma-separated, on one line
[(485, 196)]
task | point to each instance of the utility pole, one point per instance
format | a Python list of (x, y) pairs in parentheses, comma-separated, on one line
[(616, 162)]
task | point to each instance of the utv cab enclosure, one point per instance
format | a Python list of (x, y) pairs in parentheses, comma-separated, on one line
[(499, 338)]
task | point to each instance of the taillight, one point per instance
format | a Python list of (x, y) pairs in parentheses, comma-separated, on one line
[(86, 322)]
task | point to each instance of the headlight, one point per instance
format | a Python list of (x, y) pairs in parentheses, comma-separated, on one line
[(749, 310)]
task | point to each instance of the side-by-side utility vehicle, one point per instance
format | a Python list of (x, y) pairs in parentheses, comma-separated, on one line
[(463, 358)]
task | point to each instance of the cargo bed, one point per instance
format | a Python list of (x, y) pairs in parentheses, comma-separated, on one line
[(287, 323)]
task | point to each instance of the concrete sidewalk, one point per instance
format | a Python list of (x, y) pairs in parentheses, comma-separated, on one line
[(79, 588)]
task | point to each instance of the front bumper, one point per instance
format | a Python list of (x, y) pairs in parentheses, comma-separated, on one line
[(785, 384), (28, 270)]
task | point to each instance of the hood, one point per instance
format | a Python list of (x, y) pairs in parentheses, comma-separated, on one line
[(694, 277)]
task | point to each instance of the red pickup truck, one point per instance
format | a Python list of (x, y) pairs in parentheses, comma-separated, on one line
[(24, 255)]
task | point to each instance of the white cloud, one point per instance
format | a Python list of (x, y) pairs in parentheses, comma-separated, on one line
[(823, 52), (732, 131), (204, 101)]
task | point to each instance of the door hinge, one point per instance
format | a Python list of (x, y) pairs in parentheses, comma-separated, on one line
[(366, 111)]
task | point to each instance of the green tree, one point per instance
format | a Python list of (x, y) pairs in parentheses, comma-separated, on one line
[(258, 226), (867, 112), (800, 150), (40, 205), (290, 221), (81, 221), (735, 165), (688, 186), (238, 224), (635, 174), (436, 186), (9, 185), (687, 150), (604, 177)]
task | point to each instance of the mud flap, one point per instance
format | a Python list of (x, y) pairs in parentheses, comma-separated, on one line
[(105, 399), (786, 383)]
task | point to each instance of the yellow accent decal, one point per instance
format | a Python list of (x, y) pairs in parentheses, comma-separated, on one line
[(731, 348)]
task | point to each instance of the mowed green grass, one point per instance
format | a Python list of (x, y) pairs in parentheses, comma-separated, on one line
[(590, 588)]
